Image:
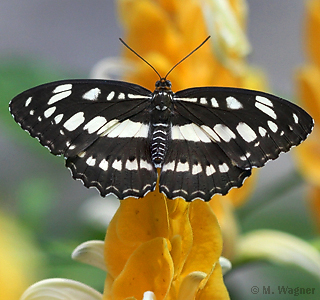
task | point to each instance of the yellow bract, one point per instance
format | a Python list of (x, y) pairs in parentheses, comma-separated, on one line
[(308, 80), (19, 259), (163, 32), (155, 244)]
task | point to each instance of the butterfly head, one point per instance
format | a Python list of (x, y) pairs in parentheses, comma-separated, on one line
[(163, 85)]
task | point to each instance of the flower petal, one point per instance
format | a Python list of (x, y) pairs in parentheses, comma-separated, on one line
[(147, 218), (91, 253), (225, 264), (58, 288), (207, 239), (279, 247), (213, 286), (150, 267), (190, 285)]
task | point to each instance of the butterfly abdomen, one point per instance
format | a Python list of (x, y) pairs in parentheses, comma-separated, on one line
[(159, 144), (160, 127)]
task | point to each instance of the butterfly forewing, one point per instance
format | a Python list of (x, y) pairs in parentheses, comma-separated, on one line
[(68, 116), (245, 123)]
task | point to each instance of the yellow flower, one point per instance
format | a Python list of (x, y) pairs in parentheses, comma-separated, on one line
[(19, 259), (163, 32), (308, 80), (169, 247)]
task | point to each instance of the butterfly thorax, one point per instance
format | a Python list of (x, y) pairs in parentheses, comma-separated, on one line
[(162, 108)]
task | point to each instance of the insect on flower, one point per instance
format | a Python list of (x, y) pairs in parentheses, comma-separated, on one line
[(115, 135)]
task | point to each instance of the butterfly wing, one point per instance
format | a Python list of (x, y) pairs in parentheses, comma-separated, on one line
[(226, 132), (100, 126)]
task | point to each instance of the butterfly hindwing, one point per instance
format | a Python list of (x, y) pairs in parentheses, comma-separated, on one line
[(191, 171), (120, 166)]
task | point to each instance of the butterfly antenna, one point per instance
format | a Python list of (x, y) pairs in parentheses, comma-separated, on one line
[(122, 41), (179, 62)]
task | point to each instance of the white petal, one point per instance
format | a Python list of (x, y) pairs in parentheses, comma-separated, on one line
[(111, 68), (149, 296), (225, 264), (91, 253), (99, 212), (58, 288), (279, 247)]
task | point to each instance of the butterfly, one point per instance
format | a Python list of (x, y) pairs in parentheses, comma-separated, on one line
[(120, 137)]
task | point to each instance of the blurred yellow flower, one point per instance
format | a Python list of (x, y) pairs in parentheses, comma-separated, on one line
[(163, 32), (19, 259), (308, 82)]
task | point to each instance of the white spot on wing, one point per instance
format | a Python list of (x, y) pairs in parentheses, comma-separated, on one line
[(189, 132), (214, 102), (210, 170), (127, 129), (211, 133), (187, 99), (262, 131), (74, 122), (121, 96), (295, 118), (169, 166), (62, 88), (223, 168), (91, 161), (203, 100), (48, 113), (57, 97), (82, 154), (58, 118), (145, 165), (264, 100), (182, 167), (110, 96), (31, 112), (104, 165), (273, 126), (28, 101), (94, 124), (233, 103), (131, 165), (196, 169), (246, 132), (92, 94), (117, 164), (224, 132), (133, 96), (266, 109), (104, 130)]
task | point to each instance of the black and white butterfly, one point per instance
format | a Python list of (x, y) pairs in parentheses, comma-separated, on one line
[(115, 135)]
